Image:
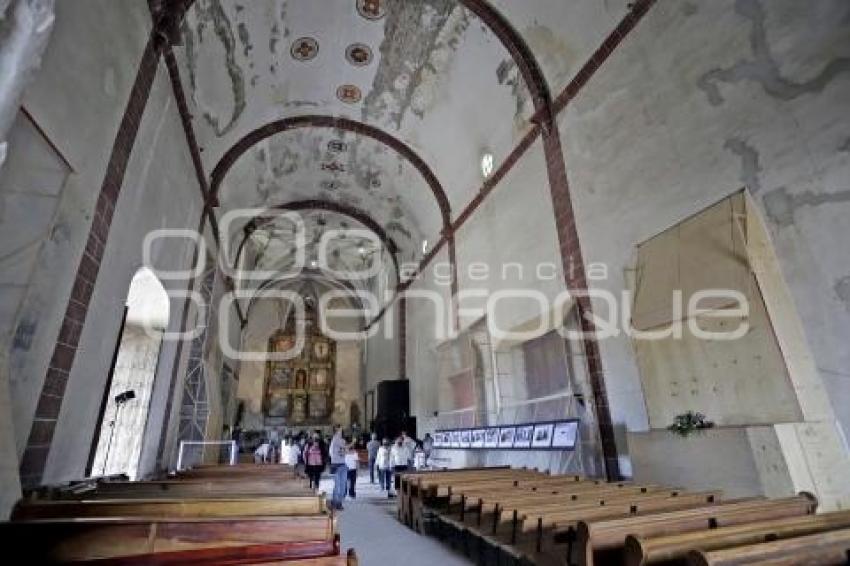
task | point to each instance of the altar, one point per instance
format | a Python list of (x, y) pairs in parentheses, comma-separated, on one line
[(300, 391)]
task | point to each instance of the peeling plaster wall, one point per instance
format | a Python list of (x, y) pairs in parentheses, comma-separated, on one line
[(78, 100), (702, 99), (83, 128), (160, 191)]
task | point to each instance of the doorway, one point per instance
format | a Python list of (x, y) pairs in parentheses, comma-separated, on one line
[(124, 410)]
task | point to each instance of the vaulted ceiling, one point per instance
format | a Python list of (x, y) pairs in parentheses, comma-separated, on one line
[(425, 88)]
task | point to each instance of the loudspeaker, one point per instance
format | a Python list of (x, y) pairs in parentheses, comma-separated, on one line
[(393, 399)]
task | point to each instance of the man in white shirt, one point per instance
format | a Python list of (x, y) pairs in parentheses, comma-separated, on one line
[(384, 465), (261, 454), (400, 456)]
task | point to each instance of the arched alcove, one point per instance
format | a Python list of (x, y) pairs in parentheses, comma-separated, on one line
[(127, 401)]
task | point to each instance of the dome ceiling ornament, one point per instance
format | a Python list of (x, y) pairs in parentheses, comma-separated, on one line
[(358, 54), (304, 49), (349, 94), (372, 9)]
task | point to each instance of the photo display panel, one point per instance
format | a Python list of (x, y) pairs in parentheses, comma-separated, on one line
[(565, 435), (549, 435), (542, 435)]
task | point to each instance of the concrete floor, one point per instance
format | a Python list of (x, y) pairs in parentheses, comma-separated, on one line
[(369, 525)]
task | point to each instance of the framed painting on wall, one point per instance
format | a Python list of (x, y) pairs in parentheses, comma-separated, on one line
[(478, 438), (542, 435), (491, 438), (506, 437), (565, 435), (522, 436)]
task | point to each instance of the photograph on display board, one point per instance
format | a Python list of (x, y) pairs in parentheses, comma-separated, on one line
[(455, 439), (542, 436), (491, 438), (478, 438), (522, 437), (438, 440), (465, 438), (565, 434), (506, 437)]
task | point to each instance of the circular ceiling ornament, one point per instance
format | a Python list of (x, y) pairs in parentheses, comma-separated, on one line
[(304, 49), (358, 54), (349, 94), (372, 9)]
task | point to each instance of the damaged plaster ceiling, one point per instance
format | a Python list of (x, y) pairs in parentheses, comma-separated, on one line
[(429, 73)]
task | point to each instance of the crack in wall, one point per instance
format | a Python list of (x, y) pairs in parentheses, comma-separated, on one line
[(763, 68), (750, 165), (842, 290), (781, 205), (412, 32)]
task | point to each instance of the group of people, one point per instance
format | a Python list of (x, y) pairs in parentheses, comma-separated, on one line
[(404, 454), (311, 455)]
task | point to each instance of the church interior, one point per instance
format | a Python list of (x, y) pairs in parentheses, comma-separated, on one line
[(575, 275)]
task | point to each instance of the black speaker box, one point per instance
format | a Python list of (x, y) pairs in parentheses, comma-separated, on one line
[(393, 399)]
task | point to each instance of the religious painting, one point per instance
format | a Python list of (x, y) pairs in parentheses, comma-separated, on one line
[(299, 409), (319, 378), (321, 350), (281, 377), (278, 405)]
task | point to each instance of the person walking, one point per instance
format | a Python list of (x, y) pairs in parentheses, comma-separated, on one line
[(410, 446), (315, 462), (382, 462), (339, 471), (372, 449), (352, 462), (401, 456), (427, 447)]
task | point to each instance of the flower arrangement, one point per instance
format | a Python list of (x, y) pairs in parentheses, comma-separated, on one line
[(688, 423)]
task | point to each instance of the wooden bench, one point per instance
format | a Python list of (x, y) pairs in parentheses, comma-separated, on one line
[(220, 507), (602, 541), (88, 539), (674, 548), (822, 549), (188, 489)]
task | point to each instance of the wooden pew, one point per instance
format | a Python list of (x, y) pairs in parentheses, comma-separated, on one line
[(220, 507), (187, 489), (640, 550), (822, 549), (601, 541), (88, 539)]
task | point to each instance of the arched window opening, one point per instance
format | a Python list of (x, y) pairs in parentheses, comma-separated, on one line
[(125, 407)]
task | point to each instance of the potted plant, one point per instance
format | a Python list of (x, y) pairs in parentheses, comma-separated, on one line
[(688, 423)]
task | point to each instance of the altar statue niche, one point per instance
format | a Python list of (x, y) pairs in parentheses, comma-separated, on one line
[(300, 391)]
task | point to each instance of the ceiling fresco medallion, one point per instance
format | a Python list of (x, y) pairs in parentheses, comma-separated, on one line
[(358, 54), (305, 49), (372, 9), (349, 94)]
